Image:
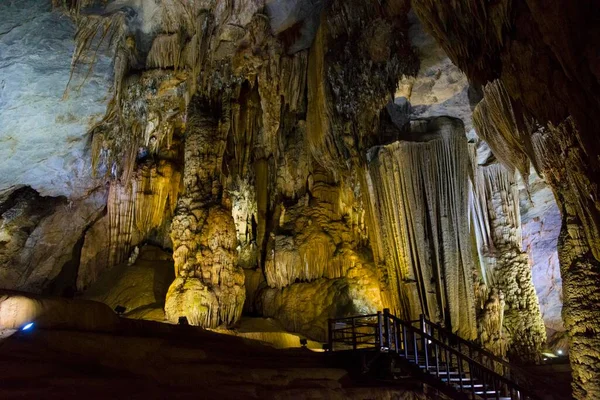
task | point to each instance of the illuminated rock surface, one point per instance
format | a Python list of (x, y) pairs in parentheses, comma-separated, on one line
[(304, 160)]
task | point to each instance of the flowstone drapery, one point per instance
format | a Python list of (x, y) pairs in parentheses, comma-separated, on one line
[(209, 284), (419, 191)]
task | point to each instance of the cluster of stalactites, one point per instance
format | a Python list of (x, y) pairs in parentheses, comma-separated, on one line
[(419, 191), (329, 234), (495, 213), (498, 124), (137, 207)]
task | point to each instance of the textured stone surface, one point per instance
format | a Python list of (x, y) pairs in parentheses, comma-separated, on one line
[(209, 285), (506, 268), (306, 307), (141, 287), (43, 141), (42, 239), (419, 191)]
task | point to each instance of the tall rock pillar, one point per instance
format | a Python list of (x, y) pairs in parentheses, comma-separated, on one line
[(209, 284)]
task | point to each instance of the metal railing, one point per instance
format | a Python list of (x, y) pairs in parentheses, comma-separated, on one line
[(452, 360)]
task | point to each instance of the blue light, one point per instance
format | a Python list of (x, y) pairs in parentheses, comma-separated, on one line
[(27, 327)]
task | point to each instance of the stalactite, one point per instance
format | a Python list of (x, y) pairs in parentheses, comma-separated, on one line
[(321, 236), (165, 52), (420, 193), (137, 207), (496, 123), (209, 285), (319, 113)]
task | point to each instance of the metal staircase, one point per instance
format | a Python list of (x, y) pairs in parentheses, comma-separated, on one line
[(463, 369)]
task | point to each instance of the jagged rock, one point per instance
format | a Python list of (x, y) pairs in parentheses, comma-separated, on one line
[(506, 269), (42, 240), (209, 285), (540, 224), (440, 88), (95, 254), (536, 52)]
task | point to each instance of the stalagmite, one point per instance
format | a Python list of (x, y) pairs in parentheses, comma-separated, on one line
[(490, 324), (420, 194), (506, 266), (209, 285)]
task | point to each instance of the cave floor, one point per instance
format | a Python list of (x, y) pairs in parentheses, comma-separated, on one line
[(159, 362)]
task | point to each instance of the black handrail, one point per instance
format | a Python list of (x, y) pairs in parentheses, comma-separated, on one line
[(475, 368), (388, 333), (511, 371), (470, 345)]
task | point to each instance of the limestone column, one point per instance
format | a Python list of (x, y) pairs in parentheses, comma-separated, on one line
[(209, 284), (508, 268), (566, 168)]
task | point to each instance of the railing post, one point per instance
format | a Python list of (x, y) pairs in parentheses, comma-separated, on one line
[(437, 360), (396, 336), (460, 371), (404, 341), (496, 389), (386, 320), (424, 341), (473, 396), (484, 384), (354, 344), (330, 325), (415, 347), (448, 364), (379, 329)]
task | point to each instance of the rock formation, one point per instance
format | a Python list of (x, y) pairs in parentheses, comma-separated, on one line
[(420, 192), (551, 81), (304, 160), (506, 267), (209, 284)]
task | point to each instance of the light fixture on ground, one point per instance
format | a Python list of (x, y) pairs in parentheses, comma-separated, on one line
[(119, 309), (27, 327), (303, 342), (183, 321)]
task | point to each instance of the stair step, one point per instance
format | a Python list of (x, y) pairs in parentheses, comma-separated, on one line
[(487, 392), (444, 373), (469, 385), (456, 379)]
